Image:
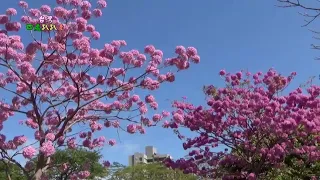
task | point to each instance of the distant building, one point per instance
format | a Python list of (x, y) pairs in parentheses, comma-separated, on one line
[(149, 156)]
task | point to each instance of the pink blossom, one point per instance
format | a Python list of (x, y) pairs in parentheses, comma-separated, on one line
[(149, 99), (135, 98), (170, 77), (165, 113), (47, 148), (102, 3), (131, 128), (251, 176), (90, 28), (4, 19), (116, 124), (29, 152), (162, 78), (191, 51), (13, 26), (87, 143), (166, 124), (2, 138), (222, 72), (85, 5), (143, 109), (180, 50), (61, 81), (112, 142), (195, 59), (107, 124), (281, 118), (141, 57), (35, 12), (149, 49), (157, 52), (97, 12), (60, 12), (156, 117), (38, 135), (95, 35), (45, 9), (61, 141), (178, 118), (154, 105), (86, 14), (117, 71), (60, 1), (75, 3), (50, 137), (23, 4), (71, 143), (83, 135), (11, 12), (19, 140)]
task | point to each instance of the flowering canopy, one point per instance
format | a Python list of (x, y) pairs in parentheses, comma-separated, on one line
[(59, 80), (252, 122)]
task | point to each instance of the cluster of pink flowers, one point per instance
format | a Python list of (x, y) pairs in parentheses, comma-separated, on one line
[(19, 140), (250, 117), (47, 148), (112, 142), (29, 152), (66, 88)]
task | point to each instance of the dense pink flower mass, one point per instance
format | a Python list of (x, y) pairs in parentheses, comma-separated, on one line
[(29, 152), (59, 80), (47, 148), (19, 140), (256, 124)]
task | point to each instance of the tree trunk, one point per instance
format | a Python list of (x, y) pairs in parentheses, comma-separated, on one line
[(37, 175), (41, 167)]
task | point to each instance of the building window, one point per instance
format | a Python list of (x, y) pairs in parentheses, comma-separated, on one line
[(140, 158)]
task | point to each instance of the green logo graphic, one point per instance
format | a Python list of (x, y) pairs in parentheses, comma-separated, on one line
[(29, 27), (37, 27)]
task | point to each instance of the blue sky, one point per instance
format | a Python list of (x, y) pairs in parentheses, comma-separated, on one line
[(231, 35)]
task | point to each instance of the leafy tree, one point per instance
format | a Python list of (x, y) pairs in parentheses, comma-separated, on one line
[(58, 80), (69, 161), (10, 171), (259, 127), (115, 167), (154, 171), (65, 163)]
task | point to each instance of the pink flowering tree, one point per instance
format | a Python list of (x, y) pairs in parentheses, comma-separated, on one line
[(58, 80), (249, 128)]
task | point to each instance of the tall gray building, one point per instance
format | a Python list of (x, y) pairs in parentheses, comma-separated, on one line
[(149, 156)]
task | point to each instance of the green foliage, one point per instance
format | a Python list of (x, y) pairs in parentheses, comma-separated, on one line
[(10, 171), (77, 160), (297, 167), (154, 171)]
